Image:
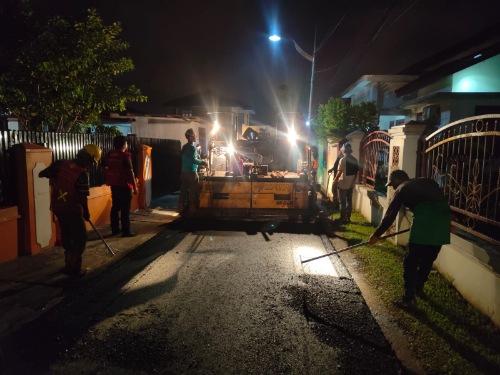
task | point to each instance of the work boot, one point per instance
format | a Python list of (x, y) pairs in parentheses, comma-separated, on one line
[(129, 234), (406, 303), (73, 272)]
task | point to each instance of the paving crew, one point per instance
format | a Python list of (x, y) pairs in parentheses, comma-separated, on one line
[(190, 182), (69, 180), (430, 229), (120, 177), (345, 179)]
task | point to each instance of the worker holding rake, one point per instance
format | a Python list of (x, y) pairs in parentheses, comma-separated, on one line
[(429, 231)]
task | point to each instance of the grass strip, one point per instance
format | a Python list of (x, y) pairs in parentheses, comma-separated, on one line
[(445, 332)]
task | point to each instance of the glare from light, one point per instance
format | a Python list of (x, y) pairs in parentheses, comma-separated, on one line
[(274, 38), (216, 127), (230, 149), (465, 85), (292, 136), (322, 266), (308, 123), (478, 56)]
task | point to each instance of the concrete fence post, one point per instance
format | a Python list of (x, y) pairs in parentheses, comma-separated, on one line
[(403, 155)]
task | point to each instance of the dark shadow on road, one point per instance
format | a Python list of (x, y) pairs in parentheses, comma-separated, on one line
[(266, 228), (37, 345)]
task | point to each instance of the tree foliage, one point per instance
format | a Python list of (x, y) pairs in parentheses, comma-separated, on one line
[(66, 76), (337, 118)]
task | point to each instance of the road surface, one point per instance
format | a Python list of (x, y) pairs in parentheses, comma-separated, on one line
[(200, 300)]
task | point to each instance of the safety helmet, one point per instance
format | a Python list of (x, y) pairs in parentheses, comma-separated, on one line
[(93, 150)]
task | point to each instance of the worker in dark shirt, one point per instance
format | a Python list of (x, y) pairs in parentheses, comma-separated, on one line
[(69, 180), (334, 170), (430, 229)]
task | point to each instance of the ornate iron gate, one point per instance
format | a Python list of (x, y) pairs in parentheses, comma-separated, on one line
[(374, 158), (464, 158)]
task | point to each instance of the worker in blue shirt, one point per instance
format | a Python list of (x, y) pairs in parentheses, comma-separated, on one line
[(190, 182)]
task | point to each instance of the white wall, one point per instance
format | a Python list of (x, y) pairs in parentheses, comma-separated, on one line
[(470, 268), (482, 77), (169, 128)]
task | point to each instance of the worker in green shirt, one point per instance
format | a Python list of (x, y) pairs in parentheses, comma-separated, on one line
[(430, 229)]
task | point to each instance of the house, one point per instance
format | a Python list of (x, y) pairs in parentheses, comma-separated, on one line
[(231, 115), (448, 129), (198, 111), (458, 82), (380, 89)]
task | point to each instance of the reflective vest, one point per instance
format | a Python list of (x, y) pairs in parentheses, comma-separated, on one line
[(117, 169), (65, 197)]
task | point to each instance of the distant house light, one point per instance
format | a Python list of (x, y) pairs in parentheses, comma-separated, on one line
[(478, 56)]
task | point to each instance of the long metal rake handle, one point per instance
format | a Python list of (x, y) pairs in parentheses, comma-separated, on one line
[(102, 238), (352, 247)]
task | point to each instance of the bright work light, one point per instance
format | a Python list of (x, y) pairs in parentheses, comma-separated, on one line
[(216, 127)]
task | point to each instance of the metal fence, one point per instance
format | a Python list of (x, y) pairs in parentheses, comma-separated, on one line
[(165, 156), (464, 158), (374, 159)]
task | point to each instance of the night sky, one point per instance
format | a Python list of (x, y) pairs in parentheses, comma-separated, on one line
[(181, 47)]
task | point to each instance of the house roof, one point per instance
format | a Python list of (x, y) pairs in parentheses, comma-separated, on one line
[(363, 81), (461, 56), (438, 97), (208, 99)]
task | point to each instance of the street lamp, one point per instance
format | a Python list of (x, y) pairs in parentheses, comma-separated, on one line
[(311, 58)]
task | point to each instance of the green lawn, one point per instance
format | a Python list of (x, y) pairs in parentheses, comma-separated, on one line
[(445, 333)]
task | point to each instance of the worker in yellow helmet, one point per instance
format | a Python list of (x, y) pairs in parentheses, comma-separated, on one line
[(69, 180)]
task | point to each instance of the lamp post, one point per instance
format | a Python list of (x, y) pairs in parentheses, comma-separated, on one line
[(311, 58)]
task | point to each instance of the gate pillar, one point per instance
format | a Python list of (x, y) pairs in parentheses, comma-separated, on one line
[(36, 227), (403, 154), (144, 175)]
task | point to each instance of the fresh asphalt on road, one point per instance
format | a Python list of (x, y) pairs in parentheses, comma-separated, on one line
[(211, 298)]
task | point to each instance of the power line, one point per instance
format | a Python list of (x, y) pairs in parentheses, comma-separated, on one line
[(332, 30), (381, 28)]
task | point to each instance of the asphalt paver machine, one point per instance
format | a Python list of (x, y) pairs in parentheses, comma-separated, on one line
[(259, 177)]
